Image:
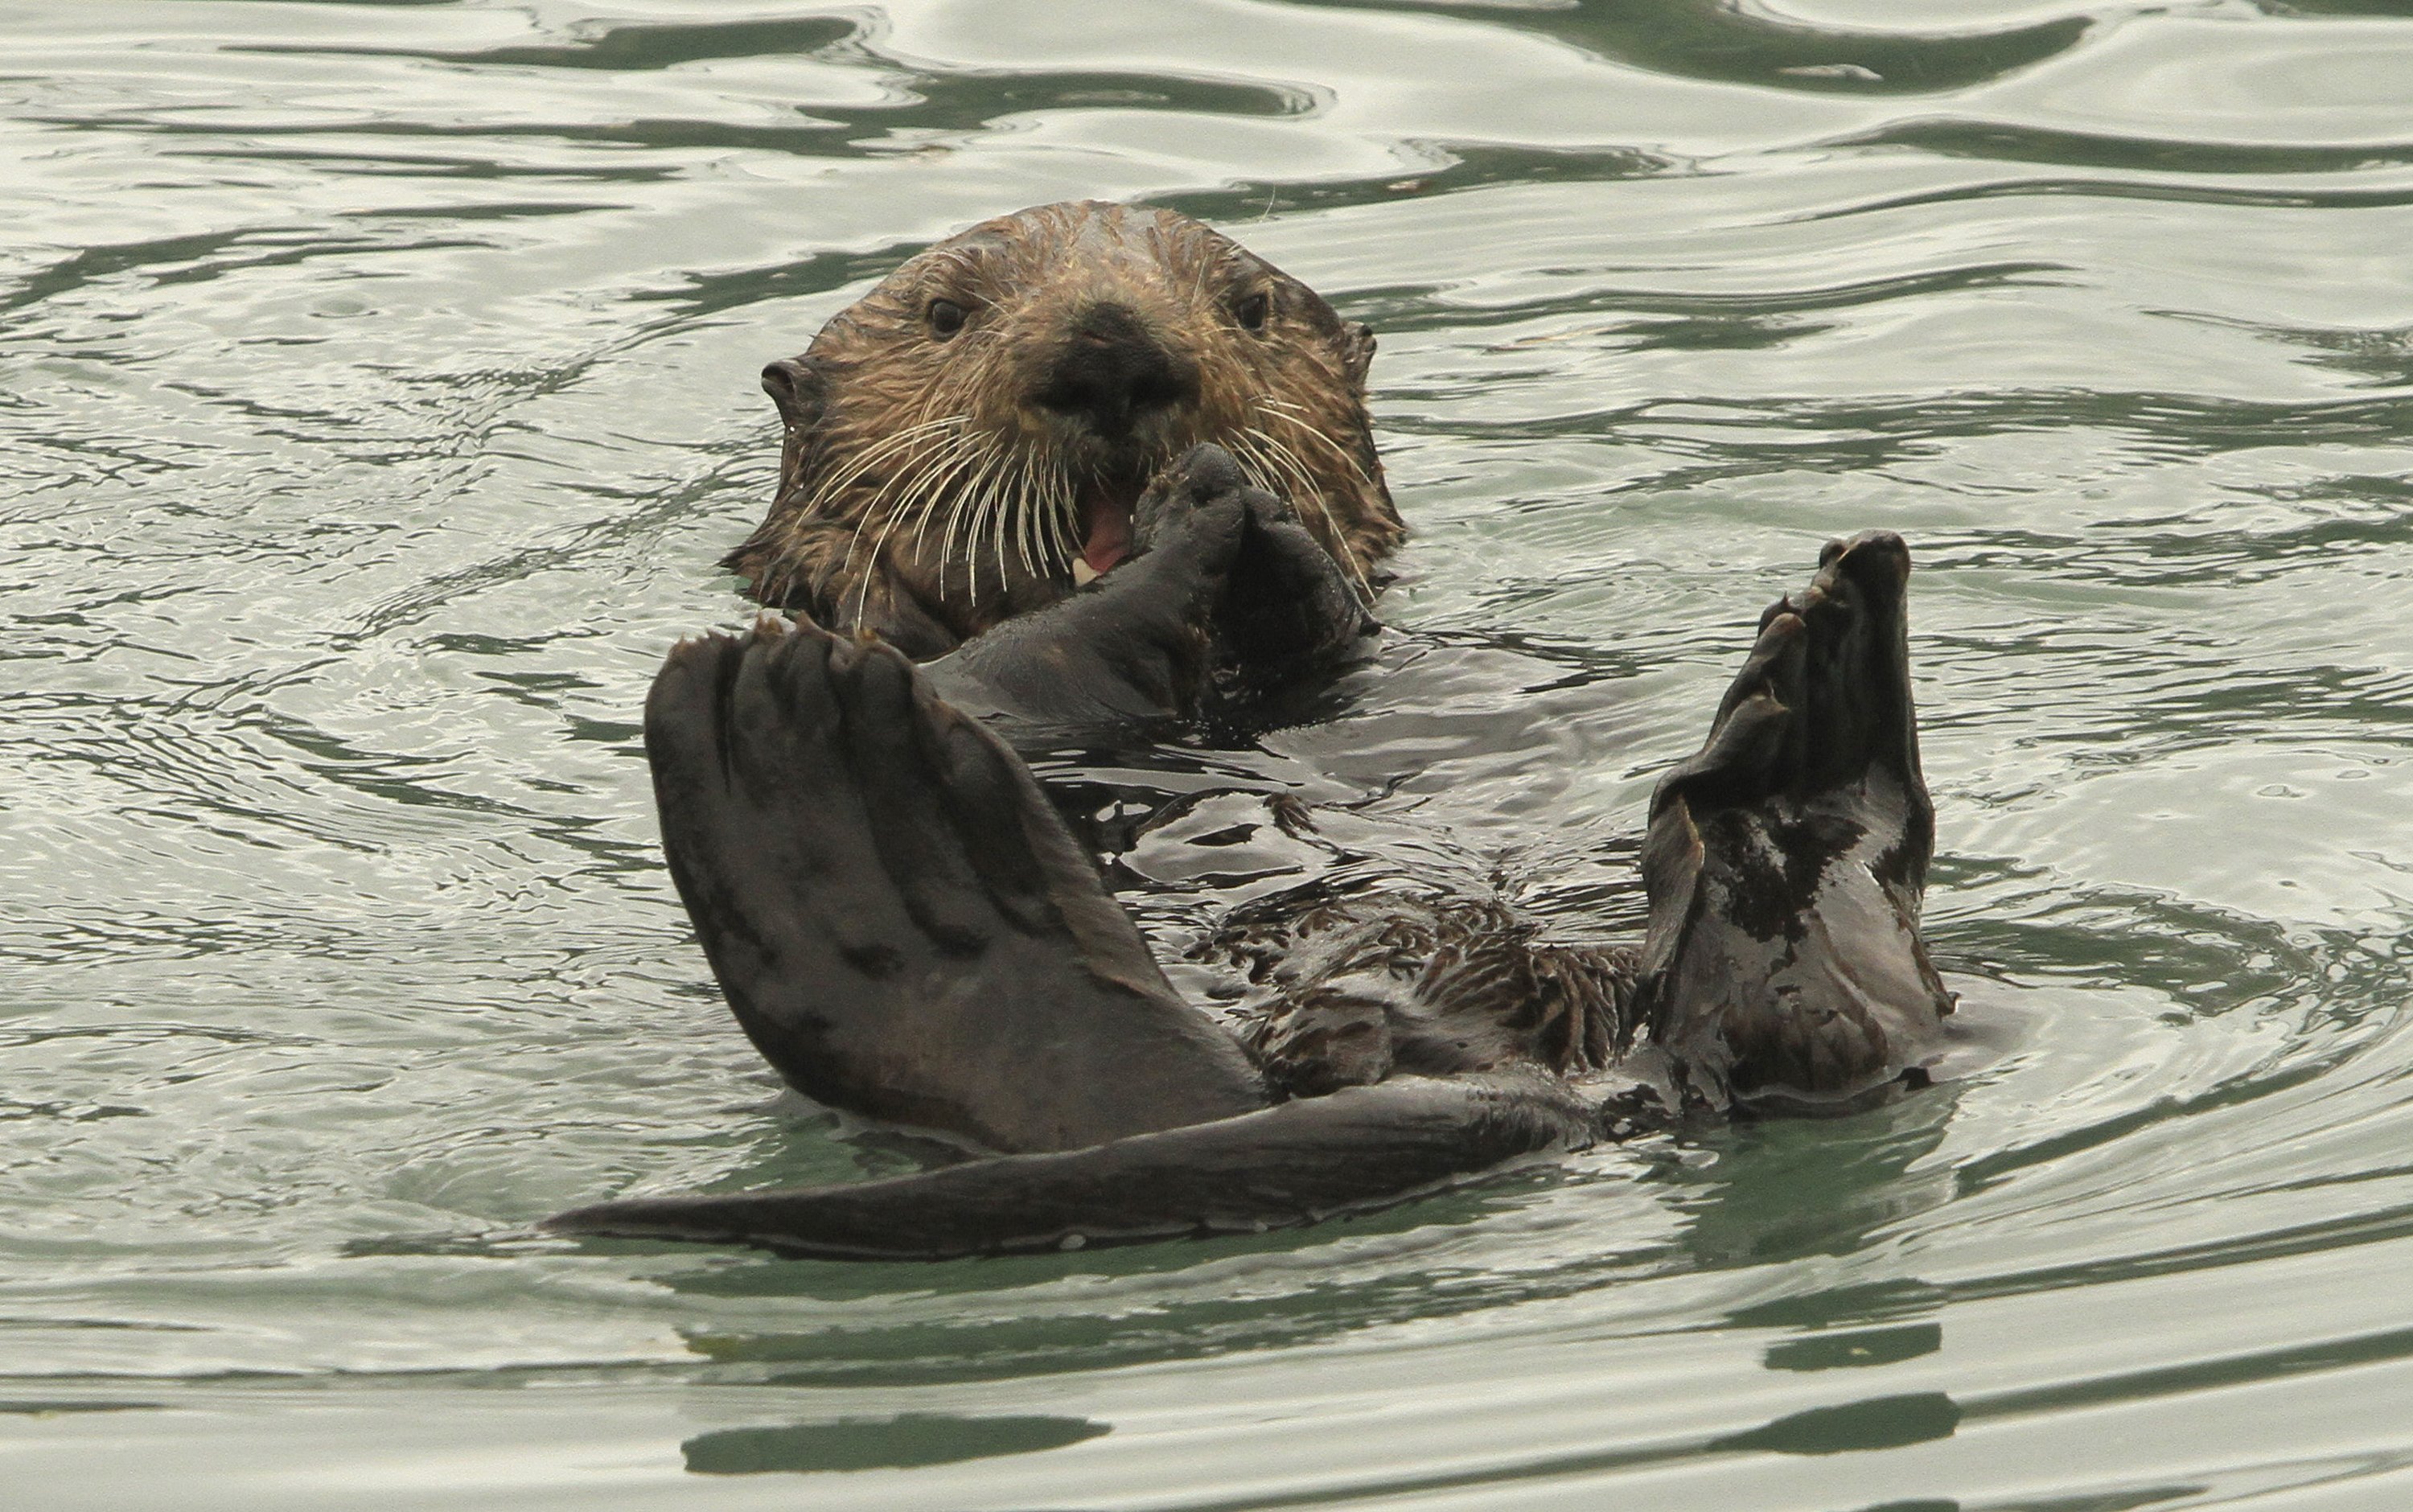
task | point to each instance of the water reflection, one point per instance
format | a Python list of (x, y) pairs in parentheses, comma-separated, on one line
[(1854, 1349), (1876, 1423), (893, 1444), (1706, 39)]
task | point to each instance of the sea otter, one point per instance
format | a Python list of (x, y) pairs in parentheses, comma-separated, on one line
[(905, 927)]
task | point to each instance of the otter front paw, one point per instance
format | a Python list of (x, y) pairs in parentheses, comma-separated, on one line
[(1224, 588), (1287, 605), (1137, 644)]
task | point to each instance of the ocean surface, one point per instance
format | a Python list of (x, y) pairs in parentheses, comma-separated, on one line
[(377, 390)]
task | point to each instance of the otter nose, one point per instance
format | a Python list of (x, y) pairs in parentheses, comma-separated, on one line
[(1111, 371)]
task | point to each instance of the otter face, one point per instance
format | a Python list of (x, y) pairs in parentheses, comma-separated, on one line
[(979, 425)]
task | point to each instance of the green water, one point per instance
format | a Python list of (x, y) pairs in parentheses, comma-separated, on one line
[(377, 391)]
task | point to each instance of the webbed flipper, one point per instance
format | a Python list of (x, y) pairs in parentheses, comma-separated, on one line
[(899, 918), (1787, 862), (1302, 1161)]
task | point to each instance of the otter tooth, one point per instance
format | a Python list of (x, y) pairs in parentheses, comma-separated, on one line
[(1083, 572)]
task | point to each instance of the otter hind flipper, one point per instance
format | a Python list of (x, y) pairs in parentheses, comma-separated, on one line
[(1298, 1162), (899, 920), (1787, 862)]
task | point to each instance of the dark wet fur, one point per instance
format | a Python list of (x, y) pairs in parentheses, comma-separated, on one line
[(1390, 982)]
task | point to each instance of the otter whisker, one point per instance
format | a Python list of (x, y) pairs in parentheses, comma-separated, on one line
[(984, 526), (931, 446), (880, 450), (1015, 525), (1254, 468), (994, 521), (1061, 516), (1290, 462), (915, 477), (943, 480), (1016, 503), (825, 489), (960, 491), (1050, 507), (1300, 483), (970, 500), (916, 471), (862, 592), (926, 467), (1026, 529), (1282, 409), (1053, 504), (1045, 508), (961, 450)]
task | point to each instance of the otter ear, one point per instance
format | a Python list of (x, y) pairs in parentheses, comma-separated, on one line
[(1358, 349), (796, 386)]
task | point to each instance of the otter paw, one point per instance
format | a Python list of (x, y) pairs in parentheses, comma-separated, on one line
[(1279, 598), (1787, 862), (1195, 503), (899, 918)]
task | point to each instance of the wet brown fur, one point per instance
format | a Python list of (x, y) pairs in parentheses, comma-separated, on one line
[(925, 494), (1355, 988)]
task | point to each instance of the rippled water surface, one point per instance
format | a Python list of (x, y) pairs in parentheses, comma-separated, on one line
[(376, 392)]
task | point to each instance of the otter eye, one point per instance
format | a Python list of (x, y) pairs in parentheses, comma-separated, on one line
[(1252, 311), (946, 317)]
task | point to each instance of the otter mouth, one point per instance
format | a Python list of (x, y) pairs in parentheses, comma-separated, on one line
[(1106, 528)]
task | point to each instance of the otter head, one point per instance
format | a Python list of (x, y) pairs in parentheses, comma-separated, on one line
[(970, 437)]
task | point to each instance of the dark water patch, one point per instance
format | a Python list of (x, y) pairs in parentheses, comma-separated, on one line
[(639, 48), (1869, 1308), (354, 161), (1855, 1349), (1785, 1190), (2204, 960), (1856, 1426), (2288, 10), (2379, 357), (205, 256), (1706, 39), (29, 1407), (2124, 1500), (1991, 1170), (2198, 1375), (143, 1325), (1452, 167), (2234, 196), (1880, 1423), (1233, 207), (1410, 309), (701, 294), (923, 103), (12, 1109), (2005, 143), (1871, 436), (895, 1443), (1157, 1305), (2340, 1234)]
